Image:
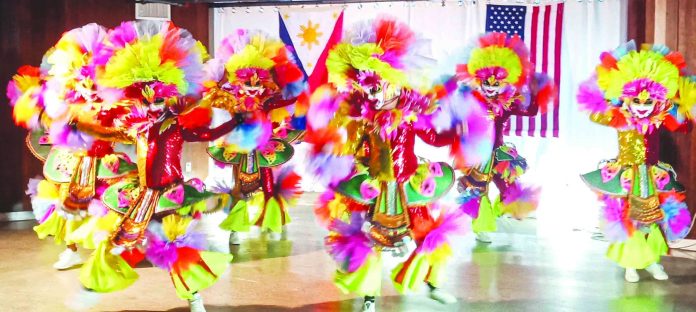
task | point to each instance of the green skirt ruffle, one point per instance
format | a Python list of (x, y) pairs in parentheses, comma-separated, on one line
[(85, 234), (640, 250), (59, 227), (421, 267), (273, 215), (487, 216), (238, 218), (197, 277), (105, 272), (365, 281)]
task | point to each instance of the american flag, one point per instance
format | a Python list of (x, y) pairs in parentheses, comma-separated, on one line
[(541, 27)]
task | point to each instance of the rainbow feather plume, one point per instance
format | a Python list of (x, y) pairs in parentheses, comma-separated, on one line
[(248, 136), (63, 134), (590, 98), (677, 217), (25, 93), (287, 185), (615, 224), (463, 113), (167, 239), (450, 224), (519, 201), (348, 245)]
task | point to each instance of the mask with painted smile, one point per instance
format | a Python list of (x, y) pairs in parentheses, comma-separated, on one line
[(641, 108), (252, 86), (642, 97), (491, 87), (381, 94)]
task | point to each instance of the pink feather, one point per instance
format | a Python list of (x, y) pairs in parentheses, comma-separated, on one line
[(462, 113), (590, 98), (451, 223), (677, 218), (90, 37), (350, 247), (615, 222), (62, 134), (330, 169)]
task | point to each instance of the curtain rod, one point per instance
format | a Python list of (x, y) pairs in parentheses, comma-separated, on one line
[(300, 2), (277, 3), (228, 4)]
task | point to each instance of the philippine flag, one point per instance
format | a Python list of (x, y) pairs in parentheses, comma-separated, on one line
[(311, 32)]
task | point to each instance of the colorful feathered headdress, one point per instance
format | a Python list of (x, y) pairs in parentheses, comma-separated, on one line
[(71, 58), (384, 47), (252, 58), (652, 73), (152, 61), (499, 57), (71, 69)]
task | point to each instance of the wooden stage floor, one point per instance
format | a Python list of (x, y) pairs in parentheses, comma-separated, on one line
[(518, 272)]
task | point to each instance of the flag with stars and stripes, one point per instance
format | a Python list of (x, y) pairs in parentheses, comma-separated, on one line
[(541, 27)]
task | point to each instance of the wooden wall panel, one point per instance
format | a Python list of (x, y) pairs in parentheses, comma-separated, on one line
[(636, 33), (672, 22), (27, 29)]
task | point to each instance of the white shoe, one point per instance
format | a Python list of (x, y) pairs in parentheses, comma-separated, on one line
[(234, 238), (196, 304), (67, 259), (484, 238), (369, 306), (631, 276), (441, 296), (83, 300), (657, 271), (273, 236), (284, 233)]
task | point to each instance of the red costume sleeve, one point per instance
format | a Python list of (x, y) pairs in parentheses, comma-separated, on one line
[(532, 110), (433, 138), (202, 134), (278, 102)]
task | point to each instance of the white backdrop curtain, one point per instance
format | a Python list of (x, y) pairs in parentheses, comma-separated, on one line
[(589, 27)]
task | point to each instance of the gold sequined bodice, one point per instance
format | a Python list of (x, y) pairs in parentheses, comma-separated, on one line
[(632, 148)]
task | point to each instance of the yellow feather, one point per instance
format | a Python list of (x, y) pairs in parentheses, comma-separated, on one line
[(495, 56), (687, 97), (174, 226), (641, 64), (140, 62)]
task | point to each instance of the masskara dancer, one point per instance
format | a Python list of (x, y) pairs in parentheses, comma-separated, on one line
[(502, 78), (255, 77), (639, 92), (381, 198), (158, 66), (77, 168)]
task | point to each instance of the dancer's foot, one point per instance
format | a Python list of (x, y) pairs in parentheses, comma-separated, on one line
[(657, 272), (67, 259), (442, 296), (196, 304), (631, 276), (274, 236), (284, 233), (234, 238), (369, 304), (484, 238), (83, 300)]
